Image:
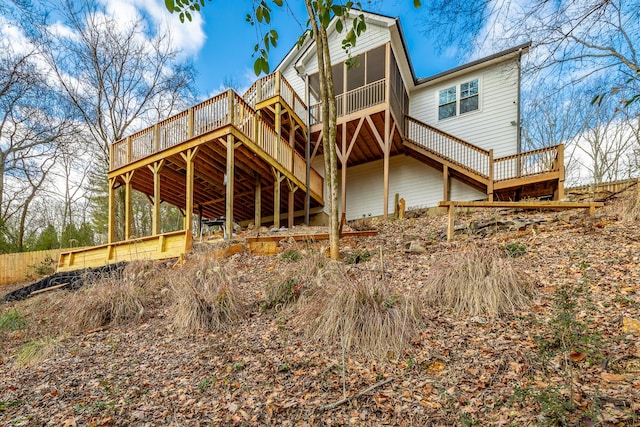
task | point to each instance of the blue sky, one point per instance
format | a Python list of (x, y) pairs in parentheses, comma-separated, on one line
[(225, 55)]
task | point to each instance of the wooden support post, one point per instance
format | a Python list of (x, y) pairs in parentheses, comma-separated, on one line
[(278, 131), (128, 210), (112, 211), (129, 150), (278, 82), (451, 224), (491, 181), (291, 203), (446, 183), (276, 199), (559, 193), (343, 186), (230, 181), (188, 157), (387, 114), (155, 222), (258, 202), (387, 147)]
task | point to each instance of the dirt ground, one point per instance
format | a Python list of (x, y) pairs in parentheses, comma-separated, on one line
[(572, 357)]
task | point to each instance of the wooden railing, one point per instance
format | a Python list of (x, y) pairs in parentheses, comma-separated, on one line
[(273, 85), (531, 163), (354, 100), (455, 150), (227, 108)]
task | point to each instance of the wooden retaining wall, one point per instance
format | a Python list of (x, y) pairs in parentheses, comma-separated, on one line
[(21, 266)]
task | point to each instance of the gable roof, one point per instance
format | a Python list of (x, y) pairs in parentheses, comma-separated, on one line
[(398, 40)]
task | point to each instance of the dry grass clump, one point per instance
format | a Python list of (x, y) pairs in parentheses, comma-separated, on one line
[(361, 313), (110, 302), (630, 209), (205, 299), (477, 281), (296, 279), (36, 351)]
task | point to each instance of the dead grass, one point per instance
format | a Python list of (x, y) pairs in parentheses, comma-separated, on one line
[(37, 351), (205, 299), (294, 279), (360, 313), (630, 207), (112, 301), (478, 281)]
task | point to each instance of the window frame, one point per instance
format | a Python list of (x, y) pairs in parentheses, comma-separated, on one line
[(472, 91)]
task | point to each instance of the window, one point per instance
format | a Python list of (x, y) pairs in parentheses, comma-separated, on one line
[(449, 105), (469, 96)]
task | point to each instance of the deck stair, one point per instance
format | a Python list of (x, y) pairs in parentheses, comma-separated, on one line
[(530, 174)]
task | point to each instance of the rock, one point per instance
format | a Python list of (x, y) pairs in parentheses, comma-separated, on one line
[(263, 230), (415, 247)]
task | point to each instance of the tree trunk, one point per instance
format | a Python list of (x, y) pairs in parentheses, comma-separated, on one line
[(329, 127)]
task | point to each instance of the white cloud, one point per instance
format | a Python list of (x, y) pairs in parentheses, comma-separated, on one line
[(187, 38)]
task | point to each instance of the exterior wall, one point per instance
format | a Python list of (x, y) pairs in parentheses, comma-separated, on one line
[(490, 126), (420, 185)]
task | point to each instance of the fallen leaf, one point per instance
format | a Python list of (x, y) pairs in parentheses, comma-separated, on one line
[(577, 356)]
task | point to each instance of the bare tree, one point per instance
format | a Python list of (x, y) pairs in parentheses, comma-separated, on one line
[(576, 39), (116, 76)]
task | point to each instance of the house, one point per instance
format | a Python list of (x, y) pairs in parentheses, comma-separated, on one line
[(454, 135)]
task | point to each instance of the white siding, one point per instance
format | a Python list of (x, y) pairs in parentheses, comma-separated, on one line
[(418, 184), (296, 82), (489, 127)]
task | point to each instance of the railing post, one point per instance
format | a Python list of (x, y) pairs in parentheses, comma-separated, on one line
[(190, 123), (277, 83), (230, 99), (156, 138), (258, 91), (490, 183), (561, 172), (111, 159), (129, 149)]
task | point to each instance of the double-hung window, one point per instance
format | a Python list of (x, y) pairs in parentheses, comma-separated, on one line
[(450, 104)]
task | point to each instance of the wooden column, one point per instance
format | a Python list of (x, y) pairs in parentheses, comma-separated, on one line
[(451, 223), (344, 159), (559, 193), (276, 199), (490, 183), (155, 222), (112, 211), (230, 181), (278, 125), (188, 157), (291, 203), (258, 202), (446, 183), (387, 67), (128, 208)]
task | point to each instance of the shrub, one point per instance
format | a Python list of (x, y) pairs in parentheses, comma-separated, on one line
[(111, 302), (515, 249), (294, 281), (477, 281), (205, 299), (291, 255), (280, 294), (361, 313), (12, 321)]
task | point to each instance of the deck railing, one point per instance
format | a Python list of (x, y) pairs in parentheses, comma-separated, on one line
[(227, 108), (455, 150), (354, 100), (530, 163), (273, 85)]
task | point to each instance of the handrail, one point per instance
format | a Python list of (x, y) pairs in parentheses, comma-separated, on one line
[(352, 101), (213, 114), (536, 162), (456, 150)]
